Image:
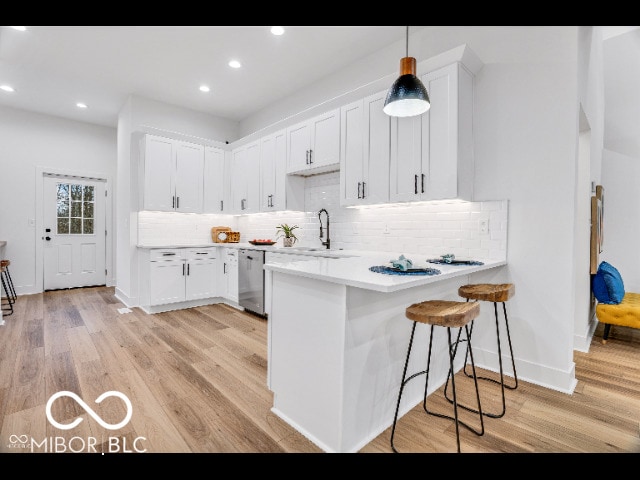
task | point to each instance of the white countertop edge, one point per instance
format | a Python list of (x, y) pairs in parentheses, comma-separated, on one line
[(266, 248), (409, 281)]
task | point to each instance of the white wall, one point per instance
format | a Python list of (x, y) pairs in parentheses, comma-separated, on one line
[(30, 140), (620, 174)]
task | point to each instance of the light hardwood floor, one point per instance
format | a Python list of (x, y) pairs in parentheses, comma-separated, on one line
[(197, 381)]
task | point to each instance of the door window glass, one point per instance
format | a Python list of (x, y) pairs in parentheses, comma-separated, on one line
[(75, 209)]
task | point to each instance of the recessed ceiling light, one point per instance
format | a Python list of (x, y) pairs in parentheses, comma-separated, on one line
[(204, 88), (7, 88), (235, 64), (21, 29), (81, 105), (277, 30)]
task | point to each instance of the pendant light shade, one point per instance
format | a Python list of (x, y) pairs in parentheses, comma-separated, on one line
[(407, 96)]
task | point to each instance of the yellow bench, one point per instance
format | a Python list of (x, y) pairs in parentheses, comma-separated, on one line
[(625, 313)]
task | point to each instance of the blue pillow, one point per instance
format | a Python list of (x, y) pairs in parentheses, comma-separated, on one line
[(607, 284)]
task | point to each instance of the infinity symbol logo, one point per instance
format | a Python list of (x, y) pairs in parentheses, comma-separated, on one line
[(87, 408), (18, 439)]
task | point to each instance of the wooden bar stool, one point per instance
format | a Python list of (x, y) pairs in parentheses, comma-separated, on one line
[(7, 286), (447, 314), (496, 293)]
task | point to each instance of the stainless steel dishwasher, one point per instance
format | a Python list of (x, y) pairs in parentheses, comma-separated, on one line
[(251, 280)]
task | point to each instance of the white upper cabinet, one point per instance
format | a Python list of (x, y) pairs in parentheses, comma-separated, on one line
[(314, 146), (278, 191), (365, 132), (273, 162), (432, 154), (245, 179), (214, 180), (189, 181), (172, 175)]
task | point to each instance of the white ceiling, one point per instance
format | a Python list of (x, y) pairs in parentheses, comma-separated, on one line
[(52, 68)]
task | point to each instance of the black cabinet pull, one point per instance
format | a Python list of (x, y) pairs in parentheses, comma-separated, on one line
[(423, 183), (359, 183), (363, 184), (310, 156), (415, 184), (221, 205), (224, 267), (177, 202), (188, 265), (307, 157), (183, 269), (173, 202)]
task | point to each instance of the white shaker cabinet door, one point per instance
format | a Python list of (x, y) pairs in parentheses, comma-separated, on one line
[(189, 177), (201, 279), (214, 183), (167, 282), (159, 170)]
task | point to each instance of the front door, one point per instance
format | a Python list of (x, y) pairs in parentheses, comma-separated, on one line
[(74, 236)]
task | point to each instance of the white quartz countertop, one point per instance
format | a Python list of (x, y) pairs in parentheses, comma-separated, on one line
[(300, 250), (354, 271)]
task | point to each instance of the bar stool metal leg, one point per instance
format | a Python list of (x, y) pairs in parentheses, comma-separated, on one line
[(452, 349), (10, 300)]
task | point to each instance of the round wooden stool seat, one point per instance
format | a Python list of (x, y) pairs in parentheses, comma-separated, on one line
[(443, 313), (489, 292)]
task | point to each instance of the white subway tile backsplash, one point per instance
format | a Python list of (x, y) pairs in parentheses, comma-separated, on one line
[(427, 228)]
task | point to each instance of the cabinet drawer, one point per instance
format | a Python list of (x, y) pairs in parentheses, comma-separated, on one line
[(200, 253), (166, 254)]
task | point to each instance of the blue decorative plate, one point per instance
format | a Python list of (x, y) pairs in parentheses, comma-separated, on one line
[(410, 271), (454, 262)]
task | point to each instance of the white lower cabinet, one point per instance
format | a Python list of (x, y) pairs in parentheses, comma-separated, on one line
[(178, 276), (230, 275)]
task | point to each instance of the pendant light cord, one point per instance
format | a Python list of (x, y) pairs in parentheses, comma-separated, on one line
[(407, 42)]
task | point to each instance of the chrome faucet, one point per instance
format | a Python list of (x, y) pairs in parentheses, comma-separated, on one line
[(327, 242)]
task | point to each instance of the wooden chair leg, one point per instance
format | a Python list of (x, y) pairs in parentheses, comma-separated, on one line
[(605, 335)]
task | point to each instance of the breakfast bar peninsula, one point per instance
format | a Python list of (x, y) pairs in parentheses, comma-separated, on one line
[(337, 340)]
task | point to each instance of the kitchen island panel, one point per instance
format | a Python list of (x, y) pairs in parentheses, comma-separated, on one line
[(306, 338)]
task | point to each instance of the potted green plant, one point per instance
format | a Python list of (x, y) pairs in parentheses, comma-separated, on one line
[(286, 232)]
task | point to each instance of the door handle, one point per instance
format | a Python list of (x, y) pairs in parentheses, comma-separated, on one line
[(48, 239)]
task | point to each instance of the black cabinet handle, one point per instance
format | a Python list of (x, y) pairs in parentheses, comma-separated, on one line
[(363, 184), (310, 156), (177, 202), (423, 183), (307, 157), (188, 265), (224, 267), (221, 205), (173, 202), (415, 184), (183, 269), (168, 254), (359, 183)]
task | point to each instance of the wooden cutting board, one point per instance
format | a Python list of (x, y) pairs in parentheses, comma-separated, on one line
[(216, 230)]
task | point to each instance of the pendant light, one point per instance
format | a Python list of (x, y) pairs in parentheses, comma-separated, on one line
[(407, 96)]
